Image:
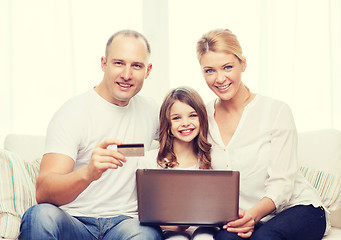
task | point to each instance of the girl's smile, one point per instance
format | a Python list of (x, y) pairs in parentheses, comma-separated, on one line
[(184, 122)]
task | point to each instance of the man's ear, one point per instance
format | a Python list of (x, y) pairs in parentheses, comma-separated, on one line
[(149, 68), (103, 63)]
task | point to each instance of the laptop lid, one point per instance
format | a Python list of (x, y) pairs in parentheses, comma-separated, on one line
[(187, 197)]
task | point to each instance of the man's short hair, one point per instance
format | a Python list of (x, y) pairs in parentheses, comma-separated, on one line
[(127, 33)]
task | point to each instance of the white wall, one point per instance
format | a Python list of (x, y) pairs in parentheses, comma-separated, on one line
[(293, 51), (51, 50)]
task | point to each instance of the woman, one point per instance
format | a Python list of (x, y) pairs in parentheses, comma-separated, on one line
[(257, 136)]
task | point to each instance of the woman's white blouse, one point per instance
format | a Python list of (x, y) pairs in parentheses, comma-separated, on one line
[(264, 150)]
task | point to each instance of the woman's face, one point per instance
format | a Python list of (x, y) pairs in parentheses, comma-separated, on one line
[(223, 73)]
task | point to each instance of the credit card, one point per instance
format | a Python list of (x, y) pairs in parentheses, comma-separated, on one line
[(131, 149)]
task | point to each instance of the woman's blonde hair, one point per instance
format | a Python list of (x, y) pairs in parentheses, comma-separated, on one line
[(166, 157), (219, 40)]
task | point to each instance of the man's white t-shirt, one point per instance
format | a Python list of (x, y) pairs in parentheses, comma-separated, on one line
[(80, 125)]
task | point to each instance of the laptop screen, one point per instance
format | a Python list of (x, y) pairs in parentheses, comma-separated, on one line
[(187, 197)]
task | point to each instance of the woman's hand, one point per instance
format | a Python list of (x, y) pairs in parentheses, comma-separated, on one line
[(244, 226)]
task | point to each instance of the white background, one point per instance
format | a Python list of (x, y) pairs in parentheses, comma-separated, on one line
[(51, 51)]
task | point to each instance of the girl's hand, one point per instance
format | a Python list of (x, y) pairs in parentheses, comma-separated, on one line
[(174, 228), (244, 226)]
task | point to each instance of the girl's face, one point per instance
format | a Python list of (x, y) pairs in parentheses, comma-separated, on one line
[(223, 73), (184, 122)]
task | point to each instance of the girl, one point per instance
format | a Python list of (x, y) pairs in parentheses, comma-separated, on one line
[(256, 135), (183, 145)]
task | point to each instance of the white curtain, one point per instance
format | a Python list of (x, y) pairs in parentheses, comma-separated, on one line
[(51, 50), (292, 47)]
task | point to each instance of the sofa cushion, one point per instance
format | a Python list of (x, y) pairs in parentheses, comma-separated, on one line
[(17, 191), (328, 186)]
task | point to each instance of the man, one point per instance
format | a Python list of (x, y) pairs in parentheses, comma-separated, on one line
[(86, 190)]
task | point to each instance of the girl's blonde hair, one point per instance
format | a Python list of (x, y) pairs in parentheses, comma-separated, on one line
[(219, 40)]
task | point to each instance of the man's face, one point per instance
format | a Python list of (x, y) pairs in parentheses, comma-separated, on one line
[(125, 68)]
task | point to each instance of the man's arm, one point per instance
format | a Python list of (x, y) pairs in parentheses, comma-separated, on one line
[(57, 182)]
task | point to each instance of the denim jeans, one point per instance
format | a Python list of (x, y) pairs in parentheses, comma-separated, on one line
[(296, 223), (46, 221)]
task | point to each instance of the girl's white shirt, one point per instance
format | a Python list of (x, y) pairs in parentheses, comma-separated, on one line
[(149, 161)]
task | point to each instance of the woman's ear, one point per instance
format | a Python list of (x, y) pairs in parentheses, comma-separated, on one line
[(244, 65)]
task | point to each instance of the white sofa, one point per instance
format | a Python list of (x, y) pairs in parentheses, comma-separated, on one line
[(319, 153)]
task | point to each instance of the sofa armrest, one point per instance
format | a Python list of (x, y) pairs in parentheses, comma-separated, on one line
[(319, 155), (28, 147), (335, 218)]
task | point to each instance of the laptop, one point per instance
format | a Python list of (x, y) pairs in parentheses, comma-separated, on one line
[(187, 197)]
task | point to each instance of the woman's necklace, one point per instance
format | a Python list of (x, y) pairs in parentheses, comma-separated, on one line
[(248, 96)]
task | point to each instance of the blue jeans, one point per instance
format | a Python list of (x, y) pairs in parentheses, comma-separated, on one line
[(46, 221), (296, 223)]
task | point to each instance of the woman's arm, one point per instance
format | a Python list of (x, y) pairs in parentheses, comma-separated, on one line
[(264, 207), (283, 167), (244, 226)]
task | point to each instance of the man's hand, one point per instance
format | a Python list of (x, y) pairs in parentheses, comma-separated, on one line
[(59, 184), (103, 159)]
